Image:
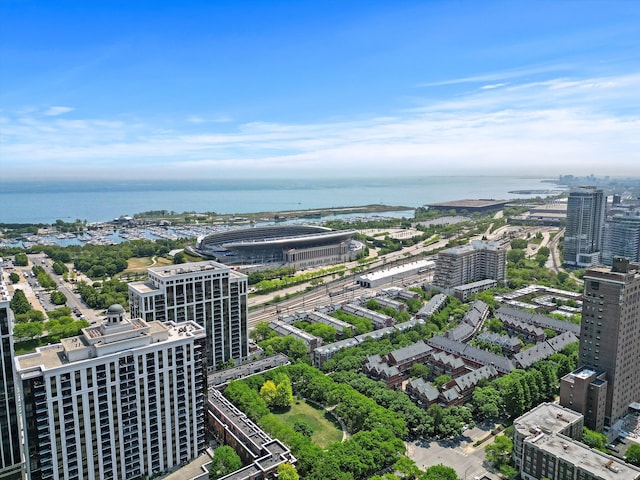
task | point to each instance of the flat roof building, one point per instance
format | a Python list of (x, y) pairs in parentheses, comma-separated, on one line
[(545, 446), (209, 293), (389, 275), (125, 399), (470, 205), (261, 455), (479, 260), (610, 335), (464, 292)]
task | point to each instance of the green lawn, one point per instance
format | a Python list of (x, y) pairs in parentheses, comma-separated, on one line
[(326, 429)]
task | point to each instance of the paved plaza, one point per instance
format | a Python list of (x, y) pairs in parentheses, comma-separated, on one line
[(460, 454)]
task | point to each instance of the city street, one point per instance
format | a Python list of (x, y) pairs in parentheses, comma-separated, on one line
[(460, 454)]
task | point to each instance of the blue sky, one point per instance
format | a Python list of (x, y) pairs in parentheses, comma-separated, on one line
[(208, 89)]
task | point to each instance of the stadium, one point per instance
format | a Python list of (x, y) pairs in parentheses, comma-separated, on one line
[(299, 246)]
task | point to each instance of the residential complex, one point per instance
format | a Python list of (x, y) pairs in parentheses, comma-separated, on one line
[(260, 454), (208, 293), (545, 446), (609, 345), (480, 260), (585, 227), (125, 399), (11, 464)]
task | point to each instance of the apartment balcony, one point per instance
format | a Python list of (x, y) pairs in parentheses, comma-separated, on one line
[(46, 473)]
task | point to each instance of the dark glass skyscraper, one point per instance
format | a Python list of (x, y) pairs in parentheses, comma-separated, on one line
[(585, 225)]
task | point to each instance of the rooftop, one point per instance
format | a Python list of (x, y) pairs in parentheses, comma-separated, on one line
[(397, 270), (101, 340), (545, 425), (604, 466), (188, 268), (546, 417)]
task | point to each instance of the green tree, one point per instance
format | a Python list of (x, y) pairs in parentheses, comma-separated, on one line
[(407, 468), (225, 460), (439, 472), (262, 331), (633, 454), (508, 471), (30, 316), (442, 380), (515, 256), (284, 392), (27, 331), (268, 392), (419, 370), (514, 396), (58, 298), (304, 428), (286, 471), (326, 332), (21, 259), (19, 303), (179, 257), (14, 277), (519, 243), (246, 399), (593, 439), (495, 325), (499, 452), (59, 268), (487, 402)]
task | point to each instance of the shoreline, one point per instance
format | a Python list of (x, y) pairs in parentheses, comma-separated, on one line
[(166, 225)]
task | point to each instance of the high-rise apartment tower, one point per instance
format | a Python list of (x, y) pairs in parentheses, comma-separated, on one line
[(622, 237), (585, 224), (609, 346), (208, 293), (123, 400), (480, 260), (11, 465)]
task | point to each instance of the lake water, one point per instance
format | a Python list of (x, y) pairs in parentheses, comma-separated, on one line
[(95, 201)]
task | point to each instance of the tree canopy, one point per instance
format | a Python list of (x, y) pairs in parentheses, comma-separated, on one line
[(633, 454), (225, 460)]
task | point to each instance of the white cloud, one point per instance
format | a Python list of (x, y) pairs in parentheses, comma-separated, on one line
[(494, 85), (501, 75), (55, 111), (546, 127), (197, 119)]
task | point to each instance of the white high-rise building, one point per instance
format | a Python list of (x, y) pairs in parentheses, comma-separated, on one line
[(622, 237), (480, 260), (11, 464), (208, 293), (123, 400)]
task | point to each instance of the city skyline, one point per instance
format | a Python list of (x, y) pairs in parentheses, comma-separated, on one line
[(284, 89)]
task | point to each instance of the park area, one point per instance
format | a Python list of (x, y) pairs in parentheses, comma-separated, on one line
[(324, 427)]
